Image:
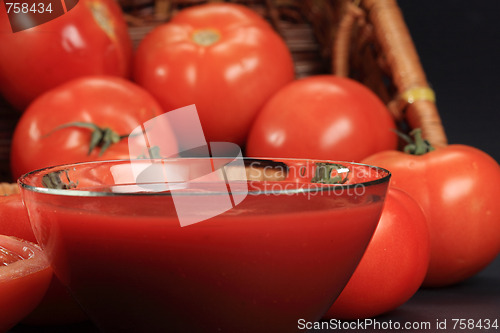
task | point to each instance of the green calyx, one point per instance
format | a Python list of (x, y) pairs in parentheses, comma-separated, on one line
[(205, 37), (100, 137), (330, 173), (416, 144), (53, 180)]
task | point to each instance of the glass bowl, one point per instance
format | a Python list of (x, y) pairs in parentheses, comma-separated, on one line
[(205, 244)]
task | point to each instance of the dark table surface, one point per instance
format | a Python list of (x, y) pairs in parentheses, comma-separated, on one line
[(475, 300)]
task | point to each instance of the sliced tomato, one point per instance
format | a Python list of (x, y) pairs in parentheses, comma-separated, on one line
[(57, 306), (25, 275)]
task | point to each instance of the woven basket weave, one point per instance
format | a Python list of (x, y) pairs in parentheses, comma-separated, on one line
[(363, 39)]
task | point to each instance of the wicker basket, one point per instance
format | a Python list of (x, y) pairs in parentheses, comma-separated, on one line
[(364, 39)]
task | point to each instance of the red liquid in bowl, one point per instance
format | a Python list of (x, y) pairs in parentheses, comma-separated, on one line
[(259, 267)]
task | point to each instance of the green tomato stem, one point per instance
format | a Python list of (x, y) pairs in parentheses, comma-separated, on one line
[(417, 145), (53, 180), (328, 173), (100, 137)]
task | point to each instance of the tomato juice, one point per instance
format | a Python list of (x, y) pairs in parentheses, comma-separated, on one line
[(274, 258)]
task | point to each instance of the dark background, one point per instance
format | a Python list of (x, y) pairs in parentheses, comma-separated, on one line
[(459, 46)]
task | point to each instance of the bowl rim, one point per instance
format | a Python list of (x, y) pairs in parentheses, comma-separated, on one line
[(21, 181)]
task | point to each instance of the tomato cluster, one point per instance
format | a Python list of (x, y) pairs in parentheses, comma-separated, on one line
[(445, 234), (457, 186), (82, 90)]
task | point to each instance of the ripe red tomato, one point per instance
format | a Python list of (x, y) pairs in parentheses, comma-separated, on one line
[(57, 306), (108, 102), (222, 57), (458, 187), (394, 264), (323, 117), (91, 39), (24, 277)]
